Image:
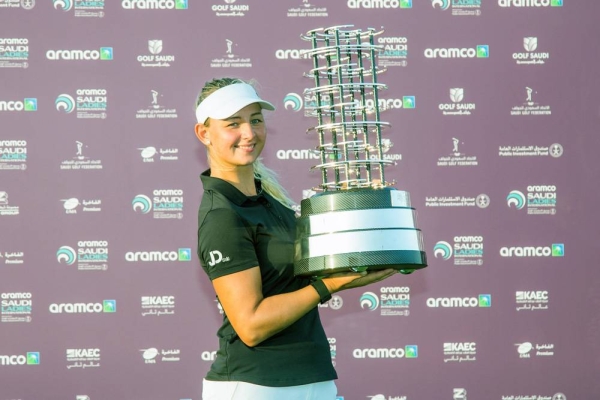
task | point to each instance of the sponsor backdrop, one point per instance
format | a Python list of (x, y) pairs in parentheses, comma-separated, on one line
[(494, 113)]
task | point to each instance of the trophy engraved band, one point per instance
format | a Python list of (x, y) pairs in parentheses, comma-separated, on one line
[(356, 221)]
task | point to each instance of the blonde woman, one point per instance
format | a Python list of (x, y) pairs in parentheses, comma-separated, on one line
[(271, 344)]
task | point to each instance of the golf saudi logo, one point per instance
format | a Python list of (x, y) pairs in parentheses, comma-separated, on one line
[(65, 103), (142, 203), (369, 300), (66, 255), (442, 249), (516, 198)]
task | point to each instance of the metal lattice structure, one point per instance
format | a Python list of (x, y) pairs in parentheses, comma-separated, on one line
[(349, 131)]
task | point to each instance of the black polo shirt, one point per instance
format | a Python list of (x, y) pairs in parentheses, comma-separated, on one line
[(238, 232)]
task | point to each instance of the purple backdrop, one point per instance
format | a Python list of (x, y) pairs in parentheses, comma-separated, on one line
[(494, 123)]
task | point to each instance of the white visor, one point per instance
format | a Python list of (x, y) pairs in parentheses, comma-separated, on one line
[(228, 100)]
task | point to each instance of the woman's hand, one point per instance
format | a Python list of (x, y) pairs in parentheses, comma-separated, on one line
[(349, 280)]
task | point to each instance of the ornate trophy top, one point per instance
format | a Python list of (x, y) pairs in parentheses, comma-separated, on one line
[(351, 146)]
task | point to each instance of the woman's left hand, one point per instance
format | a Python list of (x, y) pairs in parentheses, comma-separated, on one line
[(369, 278)]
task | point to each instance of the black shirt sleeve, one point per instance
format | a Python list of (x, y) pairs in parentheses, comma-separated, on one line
[(225, 243)]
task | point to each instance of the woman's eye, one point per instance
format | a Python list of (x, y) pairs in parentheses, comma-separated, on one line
[(257, 121)]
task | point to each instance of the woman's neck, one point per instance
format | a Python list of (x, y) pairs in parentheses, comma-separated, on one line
[(241, 177)]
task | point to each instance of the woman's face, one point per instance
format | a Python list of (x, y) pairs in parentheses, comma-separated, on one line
[(238, 140)]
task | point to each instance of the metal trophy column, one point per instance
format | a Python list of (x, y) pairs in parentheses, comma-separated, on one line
[(357, 220)]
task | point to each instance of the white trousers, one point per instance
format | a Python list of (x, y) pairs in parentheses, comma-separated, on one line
[(213, 390)]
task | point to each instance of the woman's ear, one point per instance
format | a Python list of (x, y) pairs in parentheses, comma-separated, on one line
[(202, 134)]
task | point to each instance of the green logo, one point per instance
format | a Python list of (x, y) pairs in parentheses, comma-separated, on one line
[(106, 53), (556, 3), (33, 358), (411, 351), (110, 306), (185, 254), (485, 300), (181, 4), (558, 250), (405, 3), (30, 104), (483, 51), (409, 102)]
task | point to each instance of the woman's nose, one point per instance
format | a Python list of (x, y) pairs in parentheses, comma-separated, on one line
[(247, 130)]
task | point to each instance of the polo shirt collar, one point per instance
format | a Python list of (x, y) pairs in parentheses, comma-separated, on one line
[(226, 188)]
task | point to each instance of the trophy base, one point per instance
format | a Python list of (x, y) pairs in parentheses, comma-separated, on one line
[(401, 260), (366, 229)]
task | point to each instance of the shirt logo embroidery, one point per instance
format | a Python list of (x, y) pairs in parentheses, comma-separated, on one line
[(216, 257)]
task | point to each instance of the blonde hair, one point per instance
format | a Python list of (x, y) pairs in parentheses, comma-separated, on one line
[(266, 176)]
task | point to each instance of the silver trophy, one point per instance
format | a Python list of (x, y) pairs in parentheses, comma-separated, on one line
[(356, 221)]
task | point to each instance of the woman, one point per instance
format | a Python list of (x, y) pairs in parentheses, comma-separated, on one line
[(271, 344)]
